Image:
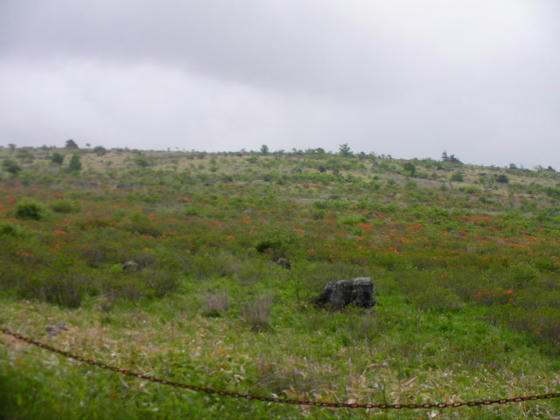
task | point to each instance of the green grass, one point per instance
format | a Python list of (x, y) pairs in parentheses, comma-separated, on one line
[(466, 278)]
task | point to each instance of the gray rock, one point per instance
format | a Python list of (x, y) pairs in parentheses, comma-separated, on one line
[(284, 263), (131, 266), (55, 330), (126, 186), (340, 293)]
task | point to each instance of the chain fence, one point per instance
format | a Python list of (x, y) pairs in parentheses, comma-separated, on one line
[(278, 400)]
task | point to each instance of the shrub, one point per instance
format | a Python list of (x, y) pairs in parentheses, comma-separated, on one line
[(57, 158), (410, 185), (351, 219), (25, 155), (67, 291), (141, 161), (502, 179), (524, 274), (437, 298), (9, 229), (160, 283), (141, 224), (29, 210), (470, 189), (277, 244), (75, 164), (99, 150), (64, 206), (409, 168), (11, 166), (457, 177)]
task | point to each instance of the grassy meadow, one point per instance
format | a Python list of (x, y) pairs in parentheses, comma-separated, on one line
[(166, 263)]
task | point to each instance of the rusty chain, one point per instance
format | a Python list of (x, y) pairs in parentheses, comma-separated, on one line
[(251, 397)]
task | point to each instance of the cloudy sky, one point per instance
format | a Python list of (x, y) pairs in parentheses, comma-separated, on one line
[(410, 78)]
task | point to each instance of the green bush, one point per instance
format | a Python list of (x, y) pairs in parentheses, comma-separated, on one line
[(437, 298), (141, 161), (159, 283), (99, 150), (351, 219), (11, 166), (9, 229), (57, 158), (524, 274), (64, 206), (75, 165), (64, 289), (29, 210), (67, 291), (409, 169), (457, 177), (502, 179)]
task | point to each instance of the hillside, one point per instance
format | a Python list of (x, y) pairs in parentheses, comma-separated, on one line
[(166, 263)]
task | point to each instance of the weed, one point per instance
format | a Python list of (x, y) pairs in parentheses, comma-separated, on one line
[(257, 313), (216, 304)]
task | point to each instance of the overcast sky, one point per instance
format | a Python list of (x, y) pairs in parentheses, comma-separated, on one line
[(410, 78)]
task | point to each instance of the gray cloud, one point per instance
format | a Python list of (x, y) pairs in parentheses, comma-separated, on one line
[(478, 78)]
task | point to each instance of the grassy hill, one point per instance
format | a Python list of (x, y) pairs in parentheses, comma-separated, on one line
[(465, 262)]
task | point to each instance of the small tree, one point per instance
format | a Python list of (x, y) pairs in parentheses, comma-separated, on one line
[(11, 166), (141, 161), (57, 158), (71, 144), (450, 158), (264, 149), (502, 179), (75, 164), (25, 155), (99, 150), (454, 159), (344, 150), (410, 168)]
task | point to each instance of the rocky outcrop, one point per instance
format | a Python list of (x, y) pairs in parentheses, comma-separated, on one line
[(339, 293)]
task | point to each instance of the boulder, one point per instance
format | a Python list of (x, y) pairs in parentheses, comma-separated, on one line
[(131, 266), (340, 293), (284, 263)]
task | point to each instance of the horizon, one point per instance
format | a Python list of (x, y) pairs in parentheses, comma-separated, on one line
[(291, 151), (478, 79)]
